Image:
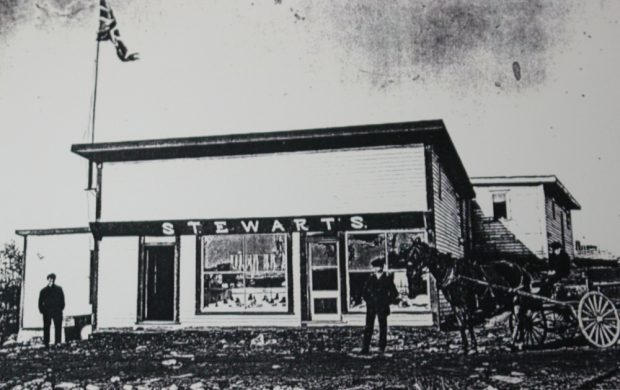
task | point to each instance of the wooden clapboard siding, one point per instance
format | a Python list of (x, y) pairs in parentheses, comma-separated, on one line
[(554, 225), (446, 211), (380, 179), (117, 292), (448, 226)]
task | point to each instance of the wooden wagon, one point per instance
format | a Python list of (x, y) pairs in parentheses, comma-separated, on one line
[(576, 306)]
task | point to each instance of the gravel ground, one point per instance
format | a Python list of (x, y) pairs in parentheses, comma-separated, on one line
[(417, 358)]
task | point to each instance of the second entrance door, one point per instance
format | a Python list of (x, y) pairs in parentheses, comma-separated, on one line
[(324, 280)]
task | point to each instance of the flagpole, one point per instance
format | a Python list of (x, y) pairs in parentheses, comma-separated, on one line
[(94, 112)]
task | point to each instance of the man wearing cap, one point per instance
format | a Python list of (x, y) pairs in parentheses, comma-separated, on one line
[(379, 292), (51, 305), (559, 263)]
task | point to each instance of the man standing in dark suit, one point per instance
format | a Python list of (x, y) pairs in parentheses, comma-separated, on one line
[(51, 305), (379, 292)]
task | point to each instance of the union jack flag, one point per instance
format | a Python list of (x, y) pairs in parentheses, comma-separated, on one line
[(108, 31)]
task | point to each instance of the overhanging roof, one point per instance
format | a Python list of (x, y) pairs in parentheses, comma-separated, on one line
[(386, 134), (53, 231), (553, 186)]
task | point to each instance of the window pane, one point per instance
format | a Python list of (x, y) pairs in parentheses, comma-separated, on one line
[(412, 292), (323, 254), (223, 253), (223, 292), (325, 279), (245, 273), (265, 252), (325, 306), (499, 210), (356, 287), (499, 197), (266, 292), (363, 248), (399, 245)]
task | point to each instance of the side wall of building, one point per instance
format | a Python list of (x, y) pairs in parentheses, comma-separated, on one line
[(448, 212), (558, 226), (525, 220), (68, 256)]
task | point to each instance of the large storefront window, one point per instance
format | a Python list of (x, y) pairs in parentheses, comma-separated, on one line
[(244, 273), (363, 248)]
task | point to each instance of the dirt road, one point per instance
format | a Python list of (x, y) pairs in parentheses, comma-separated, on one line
[(303, 358)]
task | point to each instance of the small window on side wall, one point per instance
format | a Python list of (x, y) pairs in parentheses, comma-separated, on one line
[(500, 210), (568, 219)]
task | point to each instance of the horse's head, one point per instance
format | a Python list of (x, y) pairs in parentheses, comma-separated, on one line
[(418, 256)]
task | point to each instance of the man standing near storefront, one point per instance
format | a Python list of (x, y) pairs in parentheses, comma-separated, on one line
[(51, 305), (379, 292)]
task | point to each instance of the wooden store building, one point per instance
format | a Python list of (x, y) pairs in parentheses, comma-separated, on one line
[(271, 229)]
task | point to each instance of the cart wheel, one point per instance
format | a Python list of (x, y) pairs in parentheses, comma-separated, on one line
[(598, 319), (562, 325), (533, 326)]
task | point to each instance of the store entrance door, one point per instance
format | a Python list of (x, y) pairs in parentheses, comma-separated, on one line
[(324, 280), (159, 283)]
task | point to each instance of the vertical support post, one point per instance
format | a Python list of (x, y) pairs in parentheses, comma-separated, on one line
[(342, 259), (290, 293), (95, 284), (98, 193), (177, 279), (303, 258), (198, 286), (23, 285)]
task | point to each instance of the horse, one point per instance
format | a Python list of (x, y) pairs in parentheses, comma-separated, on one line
[(472, 302)]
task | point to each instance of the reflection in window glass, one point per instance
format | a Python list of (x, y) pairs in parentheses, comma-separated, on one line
[(244, 273), (364, 247)]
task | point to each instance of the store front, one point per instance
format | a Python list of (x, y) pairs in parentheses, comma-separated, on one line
[(246, 267), (271, 229)]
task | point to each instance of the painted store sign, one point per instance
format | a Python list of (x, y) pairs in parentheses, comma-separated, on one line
[(325, 223)]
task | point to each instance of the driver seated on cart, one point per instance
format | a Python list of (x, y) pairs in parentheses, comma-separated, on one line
[(559, 268)]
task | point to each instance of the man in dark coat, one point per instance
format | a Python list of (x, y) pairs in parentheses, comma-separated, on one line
[(379, 292), (559, 264), (51, 305)]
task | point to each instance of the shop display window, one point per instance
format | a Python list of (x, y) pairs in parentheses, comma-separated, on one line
[(244, 273), (363, 248)]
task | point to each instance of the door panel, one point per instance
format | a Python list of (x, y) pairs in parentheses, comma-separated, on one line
[(324, 280), (159, 286)]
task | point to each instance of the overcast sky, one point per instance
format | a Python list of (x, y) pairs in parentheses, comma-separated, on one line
[(221, 66)]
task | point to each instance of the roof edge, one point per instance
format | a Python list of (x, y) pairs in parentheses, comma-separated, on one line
[(523, 180), (52, 231), (85, 149)]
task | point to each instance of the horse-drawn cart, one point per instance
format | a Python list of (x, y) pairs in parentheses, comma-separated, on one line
[(572, 308)]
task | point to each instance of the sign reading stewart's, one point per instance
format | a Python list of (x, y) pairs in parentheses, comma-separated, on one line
[(326, 223)]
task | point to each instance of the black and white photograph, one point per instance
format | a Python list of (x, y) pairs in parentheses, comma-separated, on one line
[(288, 194)]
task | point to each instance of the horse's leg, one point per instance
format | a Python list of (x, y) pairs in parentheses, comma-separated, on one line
[(460, 317), (472, 334)]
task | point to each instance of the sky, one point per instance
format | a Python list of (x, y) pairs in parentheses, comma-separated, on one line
[(523, 86)]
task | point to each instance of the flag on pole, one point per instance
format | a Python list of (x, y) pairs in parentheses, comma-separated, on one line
[(108, 31)]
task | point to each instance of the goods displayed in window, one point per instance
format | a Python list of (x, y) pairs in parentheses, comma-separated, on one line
[(363, 248), (244, 273)]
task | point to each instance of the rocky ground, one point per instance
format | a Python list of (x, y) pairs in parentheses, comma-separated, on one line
[(417, 358)]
